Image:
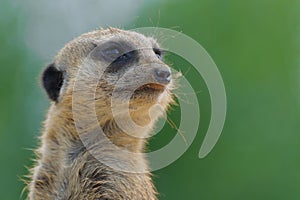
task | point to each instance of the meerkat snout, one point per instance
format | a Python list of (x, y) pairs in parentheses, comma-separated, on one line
[(163, 75)]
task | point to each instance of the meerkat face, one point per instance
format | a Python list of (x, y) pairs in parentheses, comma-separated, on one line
[(133, 70), (118, 67)]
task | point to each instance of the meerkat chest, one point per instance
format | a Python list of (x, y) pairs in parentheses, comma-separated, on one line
[(90, 179)]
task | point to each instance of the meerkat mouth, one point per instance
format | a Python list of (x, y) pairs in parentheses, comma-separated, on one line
[(151, 87)]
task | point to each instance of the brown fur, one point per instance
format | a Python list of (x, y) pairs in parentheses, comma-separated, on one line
[(66, 168)]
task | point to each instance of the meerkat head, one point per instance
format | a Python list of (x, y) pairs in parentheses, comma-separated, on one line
[(117, 70)]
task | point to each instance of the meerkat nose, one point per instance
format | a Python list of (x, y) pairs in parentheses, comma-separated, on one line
[(162, 75)]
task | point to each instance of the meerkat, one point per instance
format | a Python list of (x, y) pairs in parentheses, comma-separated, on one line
[(99, 83)]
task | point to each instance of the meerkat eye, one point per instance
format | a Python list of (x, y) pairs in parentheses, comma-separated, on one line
[(125, 57), (158, 53), (117, 54), (122, 61), (108, 52)]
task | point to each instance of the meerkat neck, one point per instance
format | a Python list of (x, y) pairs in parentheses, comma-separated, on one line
[(73, 133), (122, 138)]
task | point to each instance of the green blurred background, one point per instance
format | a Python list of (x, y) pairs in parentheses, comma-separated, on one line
[(256, 46)]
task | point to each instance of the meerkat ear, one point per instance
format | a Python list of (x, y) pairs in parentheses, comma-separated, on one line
[(52, 80)]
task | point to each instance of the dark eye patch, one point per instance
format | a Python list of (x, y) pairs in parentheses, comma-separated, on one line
[(123, 61), (116, 54)]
